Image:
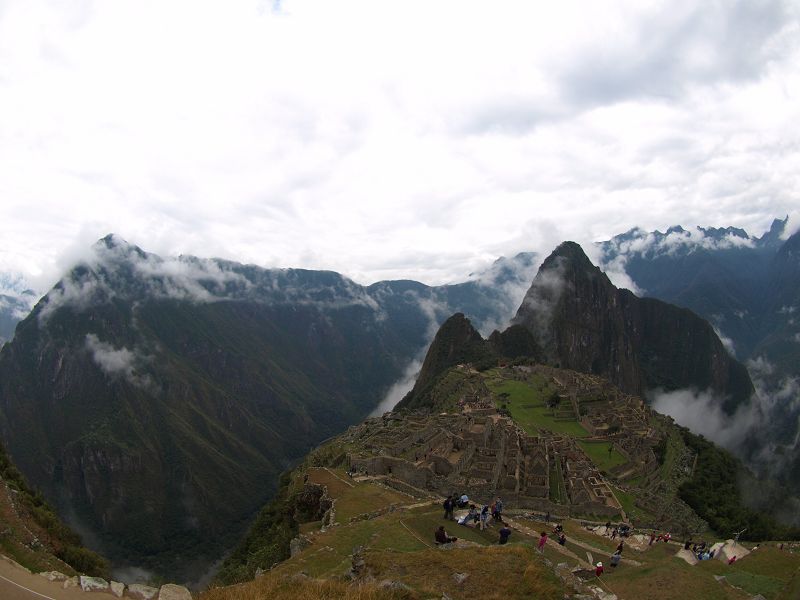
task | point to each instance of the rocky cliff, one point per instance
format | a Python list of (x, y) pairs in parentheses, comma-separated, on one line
[(583, 322)]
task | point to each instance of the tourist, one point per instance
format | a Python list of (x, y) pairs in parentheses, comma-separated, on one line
[(497, 515), (615, 558), (442, 537), (599, 569), (562, 539), (621, 546), (542, 541), (463, 501), (473, 514), (449, 504), (484, 517), (505, 532), (652, 539)]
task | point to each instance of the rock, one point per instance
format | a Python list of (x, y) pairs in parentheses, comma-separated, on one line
[(117, 588), (137, 591), (297, 545), (93, 584), (171, 591), (53, 576), (71, 582), (687, 555), (460, 578), (259, 572)]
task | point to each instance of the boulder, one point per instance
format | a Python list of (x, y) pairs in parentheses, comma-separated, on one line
[(53, 576), (70, 582), (687, 555), (117, 588), (170, 591), (728, 550), (137, 591), (93, 584), (460, 578)]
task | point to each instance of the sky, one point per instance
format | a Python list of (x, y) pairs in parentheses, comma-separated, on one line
[(388, 140)]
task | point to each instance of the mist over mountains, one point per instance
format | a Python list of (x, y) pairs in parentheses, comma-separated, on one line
[(748, 288), (155, 400)]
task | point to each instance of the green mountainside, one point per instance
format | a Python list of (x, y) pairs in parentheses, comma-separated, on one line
[(155, 401)]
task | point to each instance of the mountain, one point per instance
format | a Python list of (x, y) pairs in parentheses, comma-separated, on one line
[(155, 400), (16, 301), (748, 287), (582, 322), (725, 275)]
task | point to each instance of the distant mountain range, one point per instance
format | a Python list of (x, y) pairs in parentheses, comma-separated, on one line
[(16, 301)]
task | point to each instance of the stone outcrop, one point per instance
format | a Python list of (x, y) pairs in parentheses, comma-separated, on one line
[(170, 591), (93, 584)]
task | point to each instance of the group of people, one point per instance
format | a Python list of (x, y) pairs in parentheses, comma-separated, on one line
[(700, 550), (473, 516), (481, 517), (661, 537)]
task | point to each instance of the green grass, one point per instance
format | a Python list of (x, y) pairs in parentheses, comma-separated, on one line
[(599, 454), (558, 492), (525, 402), (626, 499)]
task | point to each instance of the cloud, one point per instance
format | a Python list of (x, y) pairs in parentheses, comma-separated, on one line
[(302, 138), (702, 413), (399, 389), (117, 362)]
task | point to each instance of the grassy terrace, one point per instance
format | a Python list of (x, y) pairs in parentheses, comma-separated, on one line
[(600, 455), (525, 402)]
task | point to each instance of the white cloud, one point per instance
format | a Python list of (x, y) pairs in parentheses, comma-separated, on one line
[(702, 413), (117, 362), (383, 139)]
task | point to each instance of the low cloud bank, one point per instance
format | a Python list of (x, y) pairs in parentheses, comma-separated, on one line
[(399, 389)]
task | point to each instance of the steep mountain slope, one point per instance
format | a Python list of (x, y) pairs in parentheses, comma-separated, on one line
[(16, 301), (725, 275), (155, 401), (32, 534), (584, 323)]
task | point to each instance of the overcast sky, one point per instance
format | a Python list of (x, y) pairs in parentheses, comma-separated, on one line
[(388, 139)]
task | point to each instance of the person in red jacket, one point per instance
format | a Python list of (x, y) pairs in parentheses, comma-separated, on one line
[(599, 569)]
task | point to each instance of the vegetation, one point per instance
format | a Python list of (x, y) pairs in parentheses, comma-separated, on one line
[(714, 493), (267, 541), (54, 537), (602, 454), (526, 402)]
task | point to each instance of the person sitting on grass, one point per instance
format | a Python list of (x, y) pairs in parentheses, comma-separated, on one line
[(442, 537), (599, 569), (463, 501), (562, 539), (505, 532)]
